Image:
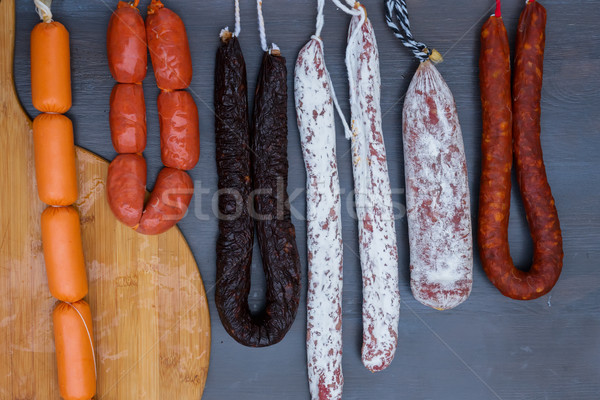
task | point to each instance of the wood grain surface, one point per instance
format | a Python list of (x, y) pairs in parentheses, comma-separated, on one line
[(490, 347), (149, 308)]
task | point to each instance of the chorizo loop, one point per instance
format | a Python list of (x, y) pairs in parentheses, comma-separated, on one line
[(494, 201), (267, 168)]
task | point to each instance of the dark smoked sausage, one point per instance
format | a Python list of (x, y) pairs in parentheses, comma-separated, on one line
[(498, 136), (275, 232)]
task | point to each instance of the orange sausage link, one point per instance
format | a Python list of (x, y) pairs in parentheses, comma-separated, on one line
[(168, 202), (126, 44), (63, 253), (128, 118), (54, 151), (74, 340), (126, 187), (179, 131), (50, 68), (169, 48)]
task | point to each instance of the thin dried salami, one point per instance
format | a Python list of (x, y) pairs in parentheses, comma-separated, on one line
[(373, 197), (316, 123)]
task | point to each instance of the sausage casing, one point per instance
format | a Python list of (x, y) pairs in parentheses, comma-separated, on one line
[(179, 130), (54, 150), (73, 340), (169, 48), (494, 198), (168, 201), (373, 196), (126, 188), (126, 44), (316, 123), (127, 118), (63, 253), (50, 68)]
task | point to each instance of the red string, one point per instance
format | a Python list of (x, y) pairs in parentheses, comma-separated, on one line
[(498, 13)]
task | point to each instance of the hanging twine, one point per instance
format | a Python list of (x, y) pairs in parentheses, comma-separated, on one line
[(317, 36), (261, 31), (225, 34), (396, 9), (42, 7)]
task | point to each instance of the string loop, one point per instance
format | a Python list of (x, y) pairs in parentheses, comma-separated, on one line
[(396, 9), (261, 30), (42, 7)]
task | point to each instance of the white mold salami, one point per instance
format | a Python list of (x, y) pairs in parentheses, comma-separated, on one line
[(437, 193), (316, 122), (374, 209)]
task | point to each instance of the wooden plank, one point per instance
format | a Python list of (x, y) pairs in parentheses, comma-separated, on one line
[(127, 274)]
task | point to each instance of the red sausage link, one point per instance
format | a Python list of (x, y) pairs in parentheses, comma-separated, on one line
[(169, 48), (128, 118), (126, 44), (496, 152), (126, 187), (179, 132), (168, 201)]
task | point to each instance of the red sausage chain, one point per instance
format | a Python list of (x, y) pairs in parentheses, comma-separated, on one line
[(128, 40)]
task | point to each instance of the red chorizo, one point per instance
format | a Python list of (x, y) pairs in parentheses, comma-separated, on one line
[(126, 44), (494, 199), (168, 202), (127, 118), (126, 187), (169, 48), (179, 132)]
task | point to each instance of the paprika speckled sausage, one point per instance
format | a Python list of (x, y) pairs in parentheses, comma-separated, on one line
[(494, 197), (55, 159), (373, 197), (50, 68), (126, 188), (63, 253), (179, 131), (73, 340), (316, 123), (127, 118), (168, 201), (126, 44), (169, 48)]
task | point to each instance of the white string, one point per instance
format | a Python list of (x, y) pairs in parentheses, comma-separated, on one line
[(320, 18), (261, 26), (351, 11), (42, 7), (89, 337), (238, 24)]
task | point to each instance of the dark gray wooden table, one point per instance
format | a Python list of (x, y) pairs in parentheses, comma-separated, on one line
[(490, 347)]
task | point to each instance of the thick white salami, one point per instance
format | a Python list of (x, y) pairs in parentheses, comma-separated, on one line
[(437, 187), (374, 209), (437, 193), (316, 122)]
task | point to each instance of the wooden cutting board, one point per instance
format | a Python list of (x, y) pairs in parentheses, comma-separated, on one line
[(151, 321)]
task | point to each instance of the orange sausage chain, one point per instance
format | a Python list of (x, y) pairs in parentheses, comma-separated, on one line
[(128, 41), (55, 170)]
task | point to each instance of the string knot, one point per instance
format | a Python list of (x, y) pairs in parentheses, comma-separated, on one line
[(396, 18)]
